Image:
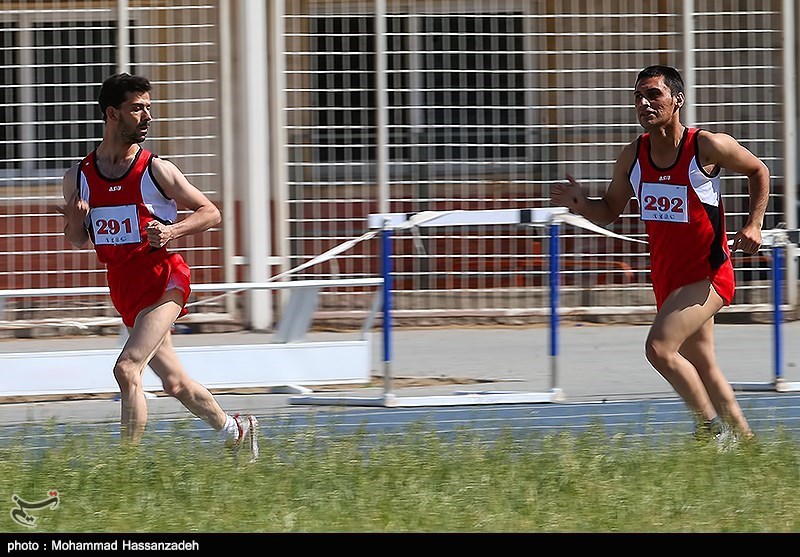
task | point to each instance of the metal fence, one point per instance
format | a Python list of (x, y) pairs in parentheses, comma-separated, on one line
[(54, 57), (389, 106)]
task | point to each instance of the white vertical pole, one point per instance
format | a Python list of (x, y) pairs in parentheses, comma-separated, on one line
[(278, 140), (226, 116), (790, 207), (123, 53), (381, 112), (382, 181), (689, 110), (255, 194)]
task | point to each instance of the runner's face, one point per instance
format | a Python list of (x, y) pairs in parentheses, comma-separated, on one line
[(655, 104), (134, 117)]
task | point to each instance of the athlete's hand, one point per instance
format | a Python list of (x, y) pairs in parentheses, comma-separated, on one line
[(748, 239), (158, 234), (75, 210), (569, 194)]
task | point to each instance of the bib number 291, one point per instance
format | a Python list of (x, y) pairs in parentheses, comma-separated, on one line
[(115, 225)]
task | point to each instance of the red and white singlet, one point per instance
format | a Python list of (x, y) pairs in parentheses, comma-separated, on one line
[(681, 207), (138, 274)]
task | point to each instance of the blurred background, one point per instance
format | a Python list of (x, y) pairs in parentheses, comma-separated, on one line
[(299, 118)]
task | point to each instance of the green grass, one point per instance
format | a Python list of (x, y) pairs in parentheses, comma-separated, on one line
[(311, 482)]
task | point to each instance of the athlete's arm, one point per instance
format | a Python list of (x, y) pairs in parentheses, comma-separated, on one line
[(176, 186), (723, 150), (75, 210), (606, 209)]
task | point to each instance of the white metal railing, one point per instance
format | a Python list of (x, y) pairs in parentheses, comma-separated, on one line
[(287, 361), (230, 288)]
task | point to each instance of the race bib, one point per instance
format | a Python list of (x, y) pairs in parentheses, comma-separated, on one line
[(664, 202), (115, 225)]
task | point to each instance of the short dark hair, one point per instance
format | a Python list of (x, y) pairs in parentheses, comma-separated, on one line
[(672, 78), (115, 90)]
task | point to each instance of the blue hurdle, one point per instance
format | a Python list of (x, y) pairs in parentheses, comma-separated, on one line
[(387, 223), (781, 241), (783, 244)]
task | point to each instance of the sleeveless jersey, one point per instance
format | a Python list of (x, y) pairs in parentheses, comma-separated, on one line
[(681, 207), (119, 210)]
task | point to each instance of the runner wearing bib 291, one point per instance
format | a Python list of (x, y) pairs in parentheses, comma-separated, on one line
[(120, 209)]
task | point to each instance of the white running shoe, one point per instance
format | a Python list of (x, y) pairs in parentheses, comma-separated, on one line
[(726, 440), (247, 435)]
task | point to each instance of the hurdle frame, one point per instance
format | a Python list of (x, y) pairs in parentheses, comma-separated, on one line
[(784, 244), (388, 222)]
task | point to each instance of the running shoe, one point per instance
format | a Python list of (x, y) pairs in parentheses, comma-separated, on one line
[(726, 440), (247, 436)]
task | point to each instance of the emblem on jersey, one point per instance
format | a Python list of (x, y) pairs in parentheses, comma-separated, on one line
[(115, 188), (660, 178)]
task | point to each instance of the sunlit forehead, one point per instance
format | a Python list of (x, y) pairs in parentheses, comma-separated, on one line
[(139, 101), (649, 92)]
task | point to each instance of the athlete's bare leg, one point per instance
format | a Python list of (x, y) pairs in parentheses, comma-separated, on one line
[(699, 349), (146, 336), (682, 315), (177, 383)]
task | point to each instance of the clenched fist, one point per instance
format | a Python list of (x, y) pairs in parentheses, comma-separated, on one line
[(75, 210), (158, 234), (748, 239)]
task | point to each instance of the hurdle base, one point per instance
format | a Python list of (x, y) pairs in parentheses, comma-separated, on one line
[(788, 386), (462, 398), (290, 390), (286, 368), (779, 386)]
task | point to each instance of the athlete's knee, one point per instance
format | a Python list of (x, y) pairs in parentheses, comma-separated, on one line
[(127, 373), (659, 353)]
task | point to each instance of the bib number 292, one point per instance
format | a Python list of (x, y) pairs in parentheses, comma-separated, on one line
[(664, 202)]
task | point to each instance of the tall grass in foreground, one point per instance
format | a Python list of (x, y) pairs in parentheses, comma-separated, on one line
[(414, 482)]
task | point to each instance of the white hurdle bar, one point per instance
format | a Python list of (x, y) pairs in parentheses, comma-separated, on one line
[(784, 244), (286, 364), (389, 221)]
